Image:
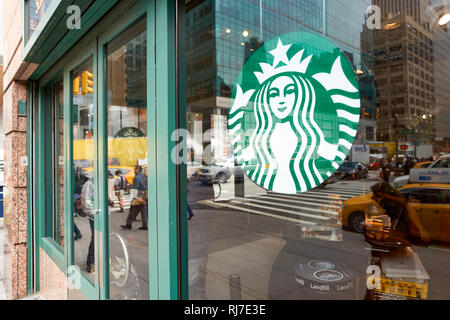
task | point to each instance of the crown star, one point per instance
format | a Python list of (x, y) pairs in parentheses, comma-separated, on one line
[(280, 53), (296, 64)]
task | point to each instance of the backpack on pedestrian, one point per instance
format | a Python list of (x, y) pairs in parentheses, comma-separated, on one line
[(123, 183)]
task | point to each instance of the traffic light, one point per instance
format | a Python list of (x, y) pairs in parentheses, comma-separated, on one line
[(87, 83), (76, 86)]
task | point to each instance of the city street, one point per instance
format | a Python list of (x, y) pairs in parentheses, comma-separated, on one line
[(266, 240), (257, 247)]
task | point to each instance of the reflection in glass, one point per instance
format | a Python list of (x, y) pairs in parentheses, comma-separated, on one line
[(36, 11), (58, 160), (55, 168), (83, 118), (127, 163), (248, 243)]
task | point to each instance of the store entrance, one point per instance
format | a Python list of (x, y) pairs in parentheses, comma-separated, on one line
[(109, 178)]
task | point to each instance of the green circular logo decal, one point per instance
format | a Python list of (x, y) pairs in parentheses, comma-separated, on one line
[(295, 113)]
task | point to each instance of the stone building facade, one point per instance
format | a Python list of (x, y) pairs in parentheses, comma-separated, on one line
[(15, 130)]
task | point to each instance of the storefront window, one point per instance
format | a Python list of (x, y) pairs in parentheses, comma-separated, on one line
[(54, 169), (35, 10), (304, 145), (83, 175), (127, 163)]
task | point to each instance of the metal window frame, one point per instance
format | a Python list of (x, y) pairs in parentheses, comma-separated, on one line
[(168, 227)]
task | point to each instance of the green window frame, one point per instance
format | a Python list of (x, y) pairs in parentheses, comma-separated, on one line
[(168, 227)]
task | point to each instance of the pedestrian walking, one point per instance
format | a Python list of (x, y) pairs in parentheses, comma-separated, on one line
[(87, 204), (139, 202), (120, 186), (386, 169), (189, 209)]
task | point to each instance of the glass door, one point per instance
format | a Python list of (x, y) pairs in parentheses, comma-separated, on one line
[(85, 265), (119, 248), (125, 84), (110, 169)]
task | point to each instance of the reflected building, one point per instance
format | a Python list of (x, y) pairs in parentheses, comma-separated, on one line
[(429, 113), (442, 85), (416, 9), (127, 92), (404, 77), (222, 35)]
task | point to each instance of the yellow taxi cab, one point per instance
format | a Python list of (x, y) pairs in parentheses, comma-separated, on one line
[(432, 203), (128, 172)]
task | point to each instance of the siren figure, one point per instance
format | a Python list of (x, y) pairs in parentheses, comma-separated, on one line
[(287, 150)]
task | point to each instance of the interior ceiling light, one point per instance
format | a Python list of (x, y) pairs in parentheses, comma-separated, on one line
[(245, 33)]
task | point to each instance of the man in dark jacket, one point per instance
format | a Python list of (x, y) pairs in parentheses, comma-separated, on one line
[(139, 202)]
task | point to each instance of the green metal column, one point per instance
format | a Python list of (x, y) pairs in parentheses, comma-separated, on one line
[(182, 186), (165, 105)]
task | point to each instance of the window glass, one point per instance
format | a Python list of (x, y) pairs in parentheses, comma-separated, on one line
[(436, 196), (55, 168), (278, 207), (83, 174), (58, 160), (126, 63), (35, 10)]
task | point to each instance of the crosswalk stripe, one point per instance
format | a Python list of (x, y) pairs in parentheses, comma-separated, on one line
[(296, 201), (323, 195), (291, 212), (317, 206), (314, 197), (352, 194), (246, 210), (362, 189)]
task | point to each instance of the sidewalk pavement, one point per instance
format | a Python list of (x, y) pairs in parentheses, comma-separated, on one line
[(3, 295)]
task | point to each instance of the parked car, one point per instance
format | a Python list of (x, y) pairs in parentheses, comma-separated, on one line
[(352, 170), (430, 202), (214, 172)]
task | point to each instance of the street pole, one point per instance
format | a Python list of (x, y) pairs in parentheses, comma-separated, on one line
[(395, 132), (396, 138)]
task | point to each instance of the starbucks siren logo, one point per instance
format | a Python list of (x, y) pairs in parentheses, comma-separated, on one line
[(295, 113)]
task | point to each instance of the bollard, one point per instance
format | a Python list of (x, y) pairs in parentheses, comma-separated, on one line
[(235, 287)]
